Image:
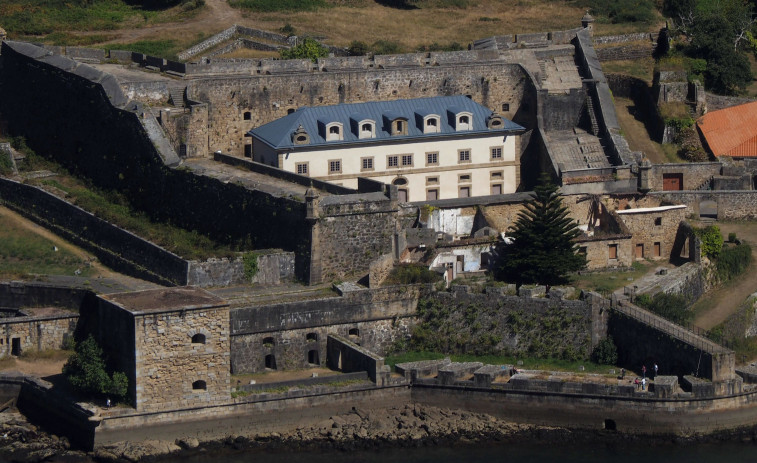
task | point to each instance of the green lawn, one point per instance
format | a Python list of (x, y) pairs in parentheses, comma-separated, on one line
[(606, 282), (23, 254)]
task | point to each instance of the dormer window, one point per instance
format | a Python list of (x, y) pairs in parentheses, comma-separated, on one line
[(399, 127), (334, 132), (464, 122), (460, 118), (367, 130), (431, 124)]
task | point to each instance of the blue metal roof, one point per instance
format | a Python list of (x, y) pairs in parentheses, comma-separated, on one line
[(278, 134)]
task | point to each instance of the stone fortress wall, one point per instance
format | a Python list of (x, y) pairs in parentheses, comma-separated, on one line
[(104, 139)]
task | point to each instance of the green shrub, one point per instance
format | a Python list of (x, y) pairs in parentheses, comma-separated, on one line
[(712, 240), (669, 306), (307, 49), (250, 263), (407, 274), (358, 48), (86, 371), (732, 237), (606, 353), (288, 30), (733, 261), (6, 166)]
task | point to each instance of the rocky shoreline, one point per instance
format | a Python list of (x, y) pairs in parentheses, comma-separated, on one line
[(405, 426)]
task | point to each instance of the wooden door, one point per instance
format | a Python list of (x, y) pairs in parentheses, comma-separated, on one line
[(640, 251), (672, 182)]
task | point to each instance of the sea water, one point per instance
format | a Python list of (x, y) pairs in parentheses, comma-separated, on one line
[(541, 452)]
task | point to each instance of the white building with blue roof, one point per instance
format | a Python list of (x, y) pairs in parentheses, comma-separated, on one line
[(430, 148)]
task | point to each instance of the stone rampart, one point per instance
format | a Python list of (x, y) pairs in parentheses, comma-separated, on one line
[(288, 332), (132, 163), (284, 85), (626, 52), (642, 415)]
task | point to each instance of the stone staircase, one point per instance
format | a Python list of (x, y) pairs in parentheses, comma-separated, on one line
[(176, 95), (706, 185), (592, 115)]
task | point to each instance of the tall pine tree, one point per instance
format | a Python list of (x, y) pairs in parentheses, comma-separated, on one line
[(543, 250)]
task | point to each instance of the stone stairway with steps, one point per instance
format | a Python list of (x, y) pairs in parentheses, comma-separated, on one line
[(176, 95), (592, 115)]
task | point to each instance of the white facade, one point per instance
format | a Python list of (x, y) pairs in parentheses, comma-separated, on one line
[(464, 166)]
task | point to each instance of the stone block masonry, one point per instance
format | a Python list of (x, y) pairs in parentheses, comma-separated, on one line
[(38, 331), (284, 336), (269, 97), (178, 353)]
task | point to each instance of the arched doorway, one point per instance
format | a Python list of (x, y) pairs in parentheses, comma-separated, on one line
[(402, 193)]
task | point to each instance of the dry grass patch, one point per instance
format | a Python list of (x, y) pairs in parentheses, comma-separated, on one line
[(422, 26)]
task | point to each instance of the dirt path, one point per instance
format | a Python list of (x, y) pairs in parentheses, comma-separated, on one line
[(216, 16), (631, 121), (41, 368), (719, 304)]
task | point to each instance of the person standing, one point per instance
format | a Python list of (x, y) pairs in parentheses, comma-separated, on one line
[(655, 370), (643, 371), (643, 384)]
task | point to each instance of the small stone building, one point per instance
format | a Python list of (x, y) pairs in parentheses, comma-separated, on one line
[(654, 229), (172, 343)]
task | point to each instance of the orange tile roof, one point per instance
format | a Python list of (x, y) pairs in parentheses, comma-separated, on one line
[(731, 131)]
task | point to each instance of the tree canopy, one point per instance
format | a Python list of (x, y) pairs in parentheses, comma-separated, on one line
[(86, 371), (718, 31), (543, 250)]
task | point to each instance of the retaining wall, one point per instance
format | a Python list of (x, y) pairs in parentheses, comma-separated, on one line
[(731, 205)]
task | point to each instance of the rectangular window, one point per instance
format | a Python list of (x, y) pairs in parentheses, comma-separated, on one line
[(407, 160), (432, 159), (432, 180), (366, 164), (464, 192), (658, 221), (497, 175), (505, 107), (496, 153), (463, 178), (497, 189), (302, 168), (335, 166), (392, 161), (613, 249), (582, 250), (463, 155), (432, 195)]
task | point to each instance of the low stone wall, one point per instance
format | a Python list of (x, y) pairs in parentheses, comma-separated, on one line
[(273, 268), (693, 174), (642, 415), (730, 205), (36, 333), (18, 294), (344, 355)]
